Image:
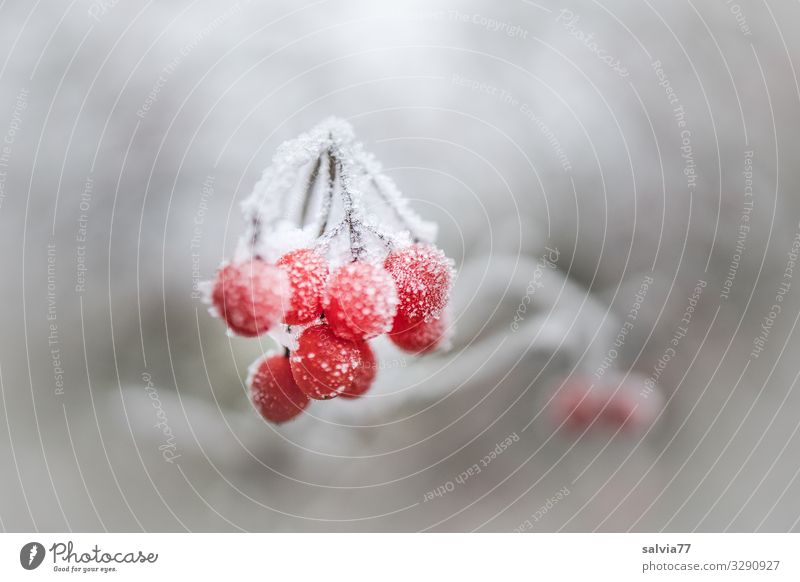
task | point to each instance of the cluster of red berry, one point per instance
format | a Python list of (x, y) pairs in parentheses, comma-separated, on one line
[(628, 404), (332, 307)]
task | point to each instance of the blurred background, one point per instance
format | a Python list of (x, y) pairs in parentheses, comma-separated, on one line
[(653, 141)]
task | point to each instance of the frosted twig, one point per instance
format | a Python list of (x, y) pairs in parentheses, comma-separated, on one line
[(387, 190), (353, 222), (330, 145), (327, 201), (312, 182), (388, 242), (324, 241)]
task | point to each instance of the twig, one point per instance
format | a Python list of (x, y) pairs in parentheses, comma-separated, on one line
[(327, 202), (391, 203), (387, 242), (255, 224), (312, 182), (356, 241)]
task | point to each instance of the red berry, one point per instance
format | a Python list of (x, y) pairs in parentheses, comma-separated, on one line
[(610, 402), (325, 365), (307, 271), (248, 296), (361, 301), (620, 412), (422, 274), (576, 406), (363, 379), (273, 390), (418, 336)]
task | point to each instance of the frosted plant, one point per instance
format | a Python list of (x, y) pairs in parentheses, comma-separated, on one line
[(332, 256), (322, 185)]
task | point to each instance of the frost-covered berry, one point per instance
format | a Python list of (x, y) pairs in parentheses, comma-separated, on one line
[(249, 296), (325, 365), (361, 301), (337, 310), (423, 275), (273, 390), (418, 336), (308, 272), (365, 374)]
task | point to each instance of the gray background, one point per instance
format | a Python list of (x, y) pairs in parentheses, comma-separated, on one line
[(513, 134)]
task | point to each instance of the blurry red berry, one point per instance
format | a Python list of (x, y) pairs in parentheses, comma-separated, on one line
[(578, 412), (307, 271), (273, 390), (249, 296), (620, 413), (613, 403), (418, 336), (361, 301), (423, 275), (325, 365)]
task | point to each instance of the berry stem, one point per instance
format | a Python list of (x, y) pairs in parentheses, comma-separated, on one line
[(324, 241), (356, 245), (327, 202), (385, 192), (391, 203), (353, 226), (255, 224), (387, 242), (312, 182)]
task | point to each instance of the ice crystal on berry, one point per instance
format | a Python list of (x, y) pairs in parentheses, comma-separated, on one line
[(249, 296), (366, 373), (308, 272), (420, 336), (361, 301), (423, 274), (325, 365), (273, 390)]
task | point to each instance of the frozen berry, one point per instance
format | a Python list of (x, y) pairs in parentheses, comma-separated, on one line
[(361, 301), (273, 390), (366, 374), (418, 336), (325, 365), (307, 272), (249, 295), (423, 275)]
